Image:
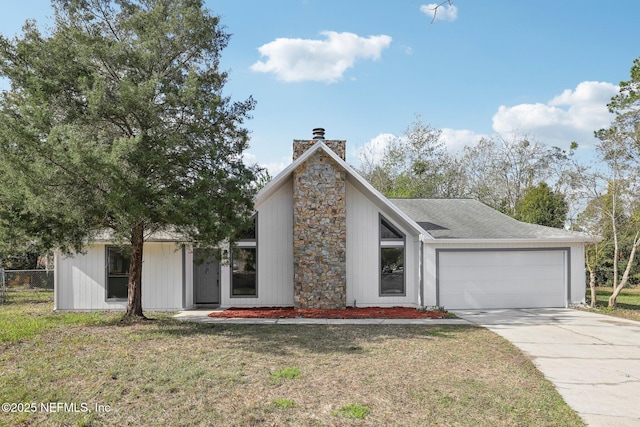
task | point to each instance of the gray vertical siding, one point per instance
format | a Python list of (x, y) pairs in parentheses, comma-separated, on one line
[(81, 279), (275, 255), (363, 269)]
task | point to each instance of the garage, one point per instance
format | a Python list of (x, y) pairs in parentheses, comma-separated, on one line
[(505, 278)]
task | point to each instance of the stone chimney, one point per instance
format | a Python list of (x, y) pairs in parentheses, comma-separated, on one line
[(302, 145), (319, 226)]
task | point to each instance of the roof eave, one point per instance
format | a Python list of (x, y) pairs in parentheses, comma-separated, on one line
[(375, 193), (517, 240)]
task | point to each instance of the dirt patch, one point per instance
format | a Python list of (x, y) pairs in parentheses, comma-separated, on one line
[(320, 313)]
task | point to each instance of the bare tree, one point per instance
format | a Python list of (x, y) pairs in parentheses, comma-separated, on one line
[(619, 148), (500, 169), (598, 219), (621, 202), (414, 165)]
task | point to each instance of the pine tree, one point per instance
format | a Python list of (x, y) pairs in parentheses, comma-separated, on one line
[(116, 120)]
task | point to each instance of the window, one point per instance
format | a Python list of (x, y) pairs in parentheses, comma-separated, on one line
[(118, 260), (392, 243), (244, 262), (243, 281), (249, 232), (388, 231)]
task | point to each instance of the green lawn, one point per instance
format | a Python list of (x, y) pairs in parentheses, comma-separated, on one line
[(628, 302), (167, 373), (27, 313)]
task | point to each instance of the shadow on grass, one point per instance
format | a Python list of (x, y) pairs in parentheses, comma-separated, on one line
[(31, 296), (627, 303), (269, 339), (282, 339), (629, 298), (621, 305)]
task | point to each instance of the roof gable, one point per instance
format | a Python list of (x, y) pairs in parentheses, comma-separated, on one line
[(364, 186)]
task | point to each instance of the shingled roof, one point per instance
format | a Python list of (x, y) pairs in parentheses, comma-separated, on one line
[(471, 219)]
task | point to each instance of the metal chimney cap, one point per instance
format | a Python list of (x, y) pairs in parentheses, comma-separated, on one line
[(318, 133)]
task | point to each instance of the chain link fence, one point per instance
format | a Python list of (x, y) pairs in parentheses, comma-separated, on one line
[(33, 279), (12, 281), (3, 289)]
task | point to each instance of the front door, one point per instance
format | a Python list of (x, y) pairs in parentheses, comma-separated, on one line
[(206, 278)]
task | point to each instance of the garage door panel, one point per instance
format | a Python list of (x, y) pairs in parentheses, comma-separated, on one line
[(483, 289), (516, 287), (503, 273), (487, 301), (497, 258), (502, 279)]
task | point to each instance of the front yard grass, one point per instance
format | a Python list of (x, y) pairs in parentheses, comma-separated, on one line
[(628, 302), (27, 313), (166, 372)]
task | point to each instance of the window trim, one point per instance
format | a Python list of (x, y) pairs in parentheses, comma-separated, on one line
[(391, 243), (244, 244), (108, 248), (390, 226)]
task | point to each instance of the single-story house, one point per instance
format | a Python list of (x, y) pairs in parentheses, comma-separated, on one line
[(324, 237)]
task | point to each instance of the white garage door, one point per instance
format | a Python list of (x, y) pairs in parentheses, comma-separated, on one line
[(502, 279)]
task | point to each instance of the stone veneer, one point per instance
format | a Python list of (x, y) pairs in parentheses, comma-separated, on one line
[(319, 228), (302, 145)]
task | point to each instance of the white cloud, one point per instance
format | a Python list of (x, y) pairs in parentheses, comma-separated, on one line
[(274, 168), (296, 60), (373, 150), (572, 115), (440, 12), (455, 140)]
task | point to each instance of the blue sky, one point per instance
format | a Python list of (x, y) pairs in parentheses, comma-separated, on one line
[(363, 70)]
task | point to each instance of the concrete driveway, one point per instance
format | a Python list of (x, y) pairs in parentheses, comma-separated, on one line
[(592, 359)]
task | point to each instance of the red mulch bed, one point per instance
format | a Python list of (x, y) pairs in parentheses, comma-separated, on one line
[(320, 313)]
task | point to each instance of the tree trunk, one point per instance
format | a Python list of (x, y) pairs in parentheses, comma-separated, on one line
[(592, 285), (591, 266), (615, 246), (134, 301), (612, 298), (625, 276)]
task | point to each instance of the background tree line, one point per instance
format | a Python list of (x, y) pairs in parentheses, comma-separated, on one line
[(524, 179)]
